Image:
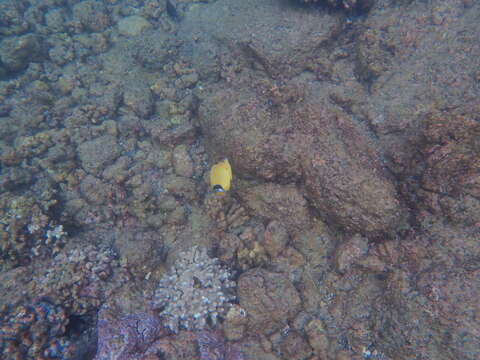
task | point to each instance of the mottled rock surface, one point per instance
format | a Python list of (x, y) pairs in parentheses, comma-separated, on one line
[(279, 202), (343, 175), (352, 224), (182, 162), (91, 14), (133, 25), (277, 38), (19, 51), (96, 154), (269, 299), (275, 238)]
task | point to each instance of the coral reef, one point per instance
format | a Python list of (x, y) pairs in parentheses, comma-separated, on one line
[(144, 337), (78, 278), (339, 167), (227, 212), (35, 332), (355, 209), (27, 229), (196, 291), (137, 331), (71, 285)]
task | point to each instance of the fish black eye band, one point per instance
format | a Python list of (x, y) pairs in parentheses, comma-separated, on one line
[(218, 188)]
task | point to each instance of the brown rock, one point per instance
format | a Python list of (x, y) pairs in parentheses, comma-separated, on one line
[(18, 51), (139, 99), (283, 203), (177, 216), (182, 162), (344, 355), (294, 347), (238, 123), (339, 165), (257, 348), (269, 299), (285, 40), (349, 252), (94, 190), (373, 56), (180, 186), (96, 154), (163, 135), (275, 238), (184, 346), (93, 15), (139, 250), (317, 337), (434, 294), (317, 245), (343, 174), (159, 158), (228, 246), (452, 165), (235, 323), (118, 171)]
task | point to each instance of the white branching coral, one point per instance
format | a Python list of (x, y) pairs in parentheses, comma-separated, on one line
[(195, 292)]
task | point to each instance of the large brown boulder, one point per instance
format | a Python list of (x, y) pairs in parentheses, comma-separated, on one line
[(239, 123), (273, 134), (343, 175)]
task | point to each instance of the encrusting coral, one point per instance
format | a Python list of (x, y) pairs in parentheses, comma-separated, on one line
[(35, 331)]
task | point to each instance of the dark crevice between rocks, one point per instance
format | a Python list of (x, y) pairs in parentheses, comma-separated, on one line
[(350, 7), (82, 330), (57, 212)]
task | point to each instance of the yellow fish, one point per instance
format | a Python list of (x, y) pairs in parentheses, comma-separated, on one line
[(221, 176)]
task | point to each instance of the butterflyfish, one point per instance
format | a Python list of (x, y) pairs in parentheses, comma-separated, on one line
[(221, 177)]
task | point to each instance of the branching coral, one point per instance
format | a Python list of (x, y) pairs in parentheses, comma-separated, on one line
[(197, 290)]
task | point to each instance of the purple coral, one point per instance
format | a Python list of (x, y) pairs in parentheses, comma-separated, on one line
[(123, 337), (138, 336), (213, 346)]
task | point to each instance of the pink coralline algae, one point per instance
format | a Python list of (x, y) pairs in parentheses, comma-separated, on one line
[(144, 336), (213, 346), (125, 337)]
